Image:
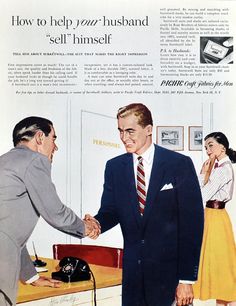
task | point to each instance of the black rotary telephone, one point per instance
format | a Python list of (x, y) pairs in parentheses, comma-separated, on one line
[(72, 269)]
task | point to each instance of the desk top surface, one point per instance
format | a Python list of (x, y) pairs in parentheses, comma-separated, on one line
[(104, 276)]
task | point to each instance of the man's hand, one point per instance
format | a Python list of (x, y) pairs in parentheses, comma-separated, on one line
[(184, 294), (44, 281), (92, 227)]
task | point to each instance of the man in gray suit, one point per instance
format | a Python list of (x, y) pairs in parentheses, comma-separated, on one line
[(26, 193)]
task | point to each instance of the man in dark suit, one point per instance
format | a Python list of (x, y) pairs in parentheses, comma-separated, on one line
[(157, 202)]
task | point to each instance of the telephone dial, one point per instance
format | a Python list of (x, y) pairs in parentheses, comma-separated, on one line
[(72, 269)]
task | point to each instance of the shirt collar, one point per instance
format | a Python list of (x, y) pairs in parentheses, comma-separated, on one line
[(147, 156), (223, 160)]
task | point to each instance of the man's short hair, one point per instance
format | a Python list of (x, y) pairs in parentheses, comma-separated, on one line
[(141, 111), (27, 128)]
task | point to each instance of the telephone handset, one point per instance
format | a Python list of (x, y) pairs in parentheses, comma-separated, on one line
[(72, 269)]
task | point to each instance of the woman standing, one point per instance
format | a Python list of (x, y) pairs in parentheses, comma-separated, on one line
[(217, 268)]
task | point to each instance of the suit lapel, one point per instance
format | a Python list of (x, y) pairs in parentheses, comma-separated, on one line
[(129, 177), (155, 183)]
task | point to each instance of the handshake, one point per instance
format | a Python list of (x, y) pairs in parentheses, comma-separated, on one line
[(92, 227)]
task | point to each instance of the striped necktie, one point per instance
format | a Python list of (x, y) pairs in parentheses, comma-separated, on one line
[(141, 188)]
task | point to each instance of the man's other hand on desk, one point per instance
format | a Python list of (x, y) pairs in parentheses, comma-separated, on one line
[(44, 281), (92, 227)]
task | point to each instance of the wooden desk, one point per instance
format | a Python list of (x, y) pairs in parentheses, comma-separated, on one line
[(105, 277)]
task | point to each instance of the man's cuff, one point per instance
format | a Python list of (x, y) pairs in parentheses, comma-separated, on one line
[(187, 282), (32, 279)]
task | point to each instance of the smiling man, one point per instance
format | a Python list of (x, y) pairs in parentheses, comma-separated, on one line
[(26, 193), (154, 195)]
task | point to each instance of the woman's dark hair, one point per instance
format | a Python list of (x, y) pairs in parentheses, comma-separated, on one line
[(222, 139), (26, 128)]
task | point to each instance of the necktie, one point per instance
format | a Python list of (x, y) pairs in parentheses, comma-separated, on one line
[(216, 165), (141, 188)]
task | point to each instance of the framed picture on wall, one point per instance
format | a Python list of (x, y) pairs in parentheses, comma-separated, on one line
[(195, 138), (171, 137)]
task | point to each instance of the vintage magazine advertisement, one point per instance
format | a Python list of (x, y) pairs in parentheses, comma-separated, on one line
[(76, 62)]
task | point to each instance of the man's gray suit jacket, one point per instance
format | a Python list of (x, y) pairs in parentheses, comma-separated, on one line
[(26, 193)]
